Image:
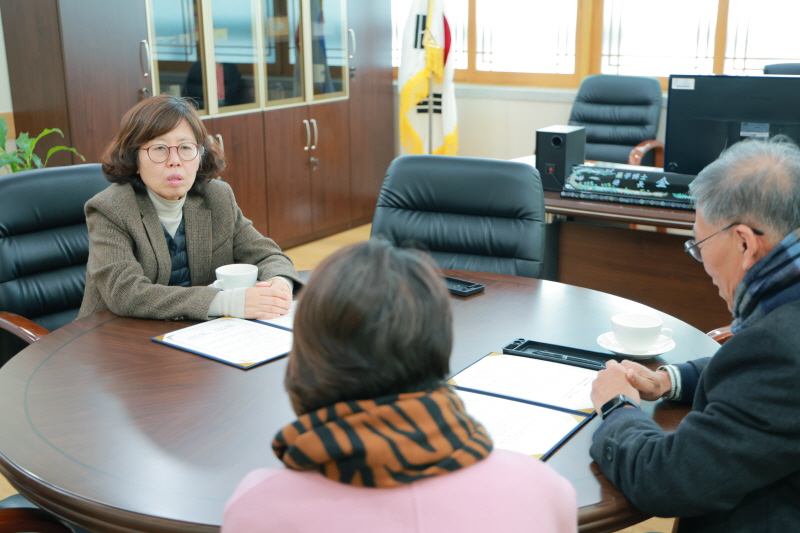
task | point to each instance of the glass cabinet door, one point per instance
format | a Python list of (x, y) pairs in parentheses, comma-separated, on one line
[(177, 53), (328, 48), (264, 52), (235, 54), (282, 51)]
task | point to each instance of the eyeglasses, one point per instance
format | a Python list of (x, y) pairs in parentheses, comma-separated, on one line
[(158, 153), (694, 250)]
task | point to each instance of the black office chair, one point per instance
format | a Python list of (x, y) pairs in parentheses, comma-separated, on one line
[(44, 246), (621, 116), (792, 69), (484, 215)]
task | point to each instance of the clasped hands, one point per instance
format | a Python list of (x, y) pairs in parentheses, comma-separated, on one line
[(267, 299), (634, 380)]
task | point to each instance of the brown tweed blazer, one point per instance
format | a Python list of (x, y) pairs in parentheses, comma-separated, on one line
[(129, 263)]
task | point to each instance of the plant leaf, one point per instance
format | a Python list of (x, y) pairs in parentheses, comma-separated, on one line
[(24, 144), (55, 149), (47, 132), (36, 160), (9, 157)]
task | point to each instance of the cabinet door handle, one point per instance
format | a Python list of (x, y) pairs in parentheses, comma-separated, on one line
[(316, 134), (308, 134), (144, 58), (221, 142), (352, 33)]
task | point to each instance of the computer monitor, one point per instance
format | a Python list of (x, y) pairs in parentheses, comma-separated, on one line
[(706, 114)]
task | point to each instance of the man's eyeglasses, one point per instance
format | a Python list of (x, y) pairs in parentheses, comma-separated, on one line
[(692, 247), (158, 153)]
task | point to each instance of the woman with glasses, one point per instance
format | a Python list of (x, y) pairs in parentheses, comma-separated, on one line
[(158, 233)]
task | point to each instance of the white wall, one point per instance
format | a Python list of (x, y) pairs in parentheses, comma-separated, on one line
[(501, 122)]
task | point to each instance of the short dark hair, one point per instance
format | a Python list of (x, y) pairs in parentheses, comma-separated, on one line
[(149, 119), (374, 320)]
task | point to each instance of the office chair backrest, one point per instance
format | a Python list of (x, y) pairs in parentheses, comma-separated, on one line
[(618, 113), (475, 214), (44, 244), (792, 69)]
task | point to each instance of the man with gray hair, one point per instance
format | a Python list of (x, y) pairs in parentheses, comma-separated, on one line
[(734, 462)]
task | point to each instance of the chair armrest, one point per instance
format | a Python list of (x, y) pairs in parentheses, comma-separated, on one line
[(21, 519), (721, 334), (638, 152), (20, 326)]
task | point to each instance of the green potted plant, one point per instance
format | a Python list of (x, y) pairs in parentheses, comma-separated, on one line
[(23, 157)]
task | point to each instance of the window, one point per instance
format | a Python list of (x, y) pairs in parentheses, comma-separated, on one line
[(656, 38), (760, 33), (523, 42), (505, 46), (551, 43)]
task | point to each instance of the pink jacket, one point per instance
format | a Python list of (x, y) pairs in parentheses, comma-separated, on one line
[(507, 492)]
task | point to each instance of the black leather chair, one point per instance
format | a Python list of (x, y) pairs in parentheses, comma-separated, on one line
[(621, 116), (484, 215), (44, 246), (792, 69)]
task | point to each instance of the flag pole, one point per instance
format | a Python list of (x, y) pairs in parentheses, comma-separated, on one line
[(430, 114)]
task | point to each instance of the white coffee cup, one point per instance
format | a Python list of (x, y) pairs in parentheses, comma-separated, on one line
[(638, 332), (235, 276)]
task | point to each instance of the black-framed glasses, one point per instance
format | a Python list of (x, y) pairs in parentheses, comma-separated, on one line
[(691, 246), (158, 153)]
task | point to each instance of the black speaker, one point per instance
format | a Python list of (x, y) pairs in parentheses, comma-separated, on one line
[(558, 149)]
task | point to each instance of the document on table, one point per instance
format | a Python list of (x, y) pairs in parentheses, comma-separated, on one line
[(284, 321), (544, 382), (527, 405), (234, 341), (519, 426)]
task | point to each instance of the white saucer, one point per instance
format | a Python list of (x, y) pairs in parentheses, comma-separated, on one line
[(609, 342)]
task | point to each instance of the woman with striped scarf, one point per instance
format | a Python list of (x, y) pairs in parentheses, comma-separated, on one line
[(381, 443)]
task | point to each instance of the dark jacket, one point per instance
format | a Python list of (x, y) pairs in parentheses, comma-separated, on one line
[(733, 465)]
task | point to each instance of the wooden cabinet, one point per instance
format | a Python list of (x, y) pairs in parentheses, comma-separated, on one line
[(330, 167), (242, 137), (371, 103), (308, 171), (287, 136), (72, 67)]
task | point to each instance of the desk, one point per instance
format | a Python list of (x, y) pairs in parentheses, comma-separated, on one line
[(115, 432), (645, 266), (594, 248)]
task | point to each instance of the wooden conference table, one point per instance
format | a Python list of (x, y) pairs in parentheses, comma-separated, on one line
[(114, 432)]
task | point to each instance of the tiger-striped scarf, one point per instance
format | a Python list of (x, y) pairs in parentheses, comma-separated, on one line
[(385, 442)]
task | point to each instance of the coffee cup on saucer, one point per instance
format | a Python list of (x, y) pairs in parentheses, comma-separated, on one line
[(638, 332), (236, 276)]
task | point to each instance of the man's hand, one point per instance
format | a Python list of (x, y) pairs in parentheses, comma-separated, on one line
[(268, 299), (610, 382), (651, 385)]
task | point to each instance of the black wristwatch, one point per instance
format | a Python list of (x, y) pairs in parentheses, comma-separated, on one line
[(615, 403)]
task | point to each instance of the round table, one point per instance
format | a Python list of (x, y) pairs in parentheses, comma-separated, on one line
[(115, 432)]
